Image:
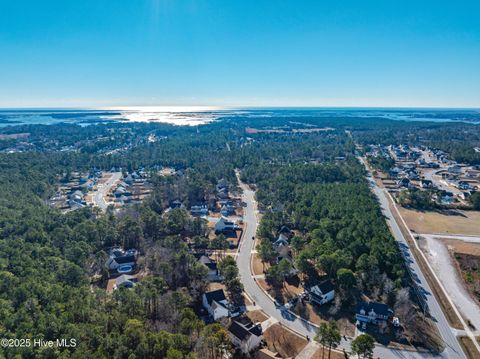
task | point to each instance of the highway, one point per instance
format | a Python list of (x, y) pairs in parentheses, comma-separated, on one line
[(305, 328)]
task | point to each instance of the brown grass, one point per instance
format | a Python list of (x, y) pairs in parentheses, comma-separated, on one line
[(257, 266), (283, 341), (467, 266), (257, 316), (290, 289), (469, 348), (459, 246), (447, 309), (307, 311), (464, 222), (333, 355), (214, 286)]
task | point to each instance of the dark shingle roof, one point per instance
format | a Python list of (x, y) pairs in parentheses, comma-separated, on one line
[(243, 327), (215, 295), (326, 286), (378, 308), (238, 330), (125, 259)]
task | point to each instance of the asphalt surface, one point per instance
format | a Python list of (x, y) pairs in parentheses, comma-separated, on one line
[(99, 196), (305, 328)]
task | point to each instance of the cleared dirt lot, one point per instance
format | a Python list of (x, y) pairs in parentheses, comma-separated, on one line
[(283, 341), (459, 222)]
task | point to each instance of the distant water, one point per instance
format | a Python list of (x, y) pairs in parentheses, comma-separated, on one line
[(196, 115)]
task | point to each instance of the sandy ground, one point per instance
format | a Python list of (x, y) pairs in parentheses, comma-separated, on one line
[(466, 222), (441, 261)]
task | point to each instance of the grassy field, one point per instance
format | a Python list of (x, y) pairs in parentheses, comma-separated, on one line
[(462, 222)]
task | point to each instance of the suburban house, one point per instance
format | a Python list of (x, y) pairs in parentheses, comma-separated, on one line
[(216, 304), (245, 335), (224, 225), (213, 273), (413, 175), (455, 169), (447, 198), (199, 210), (118, 257), (227, 210), (404, 182), (372, 312), (77, 196), (426, 183), (322, 293), (394, 172)]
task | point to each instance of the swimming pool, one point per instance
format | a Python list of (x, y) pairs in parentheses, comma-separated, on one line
[(125, 269)]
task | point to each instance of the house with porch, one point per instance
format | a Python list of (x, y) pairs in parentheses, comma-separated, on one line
[(372, 312)]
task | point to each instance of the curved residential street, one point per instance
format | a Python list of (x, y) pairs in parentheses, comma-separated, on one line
[(102, 190), (305, 328)]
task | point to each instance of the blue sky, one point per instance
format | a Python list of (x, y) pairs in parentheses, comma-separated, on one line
[(239, 53)]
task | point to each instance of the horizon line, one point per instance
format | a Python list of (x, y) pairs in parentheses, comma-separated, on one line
[(201, 108)]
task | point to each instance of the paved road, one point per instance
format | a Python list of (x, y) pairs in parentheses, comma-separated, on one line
[(102, 189), (453, 349), (301, 326)]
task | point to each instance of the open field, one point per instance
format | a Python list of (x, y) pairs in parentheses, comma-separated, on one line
[(459, 222), (459, 246), (469, 267), (447, 309)]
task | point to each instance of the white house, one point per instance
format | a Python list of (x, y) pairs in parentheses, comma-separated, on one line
[(216, 304), (224, 225), (373, 312), (245, 335), (119, 257), (199, 210), (322, 293)]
